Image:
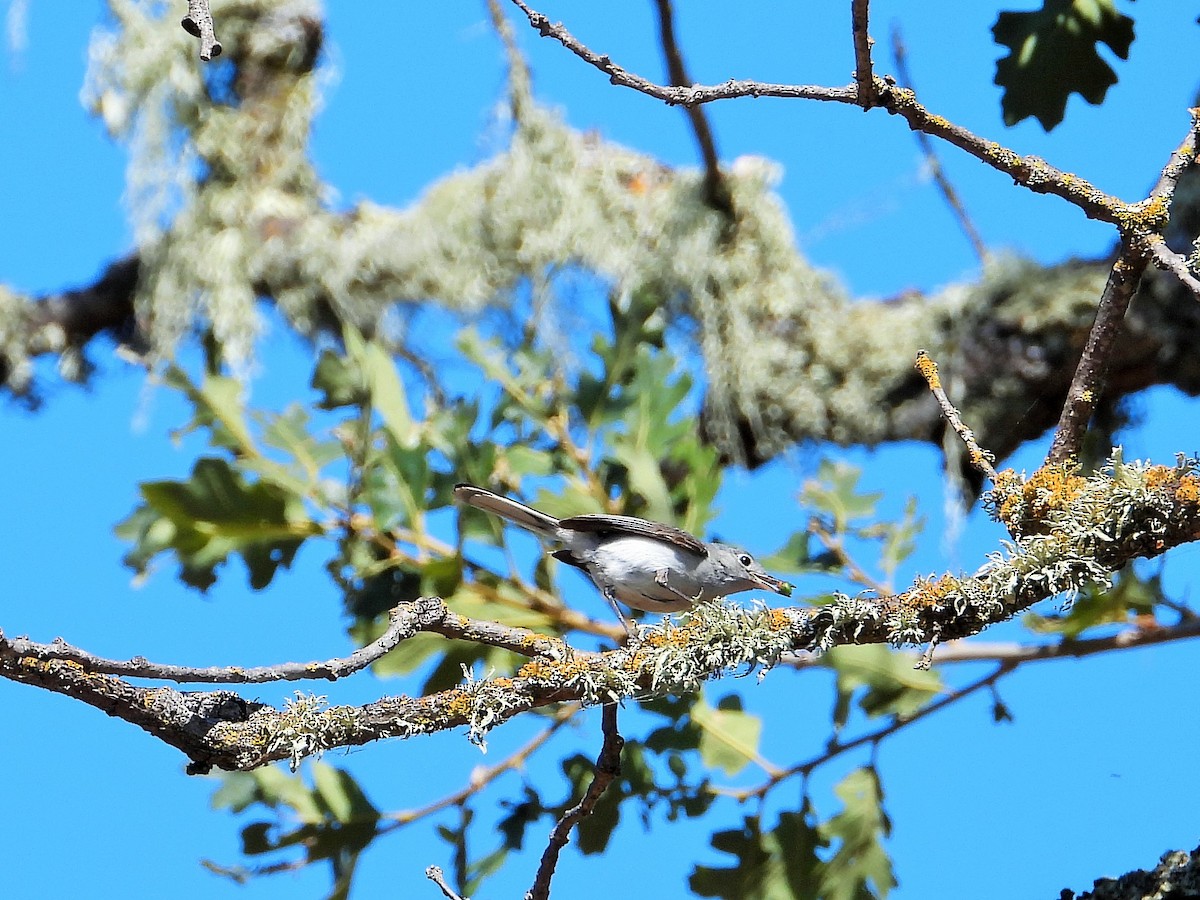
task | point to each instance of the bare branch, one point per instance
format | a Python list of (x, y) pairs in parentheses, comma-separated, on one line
[(1088, 382), (977, 651), (981, 459), (608, 767), (931, 158), (199, 23), (1030, 171), (716, 191), (864, 75), (1169, 261), (425, 614)]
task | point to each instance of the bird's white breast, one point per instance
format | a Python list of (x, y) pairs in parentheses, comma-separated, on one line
[(634, 563)]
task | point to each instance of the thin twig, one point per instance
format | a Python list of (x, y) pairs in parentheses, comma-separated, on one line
[(435, 874), (716, 190), (1175, 263), (1180, 159), (519, 82), (864, 75), (979, 651), (931, 158), (981, 459), (1088, 382), (608, 767), (835, 545), (199, 23)]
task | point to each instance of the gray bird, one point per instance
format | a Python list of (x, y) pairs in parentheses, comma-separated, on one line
[(644, 564)]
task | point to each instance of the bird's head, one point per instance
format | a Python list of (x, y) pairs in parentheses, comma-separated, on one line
[(742, 572)]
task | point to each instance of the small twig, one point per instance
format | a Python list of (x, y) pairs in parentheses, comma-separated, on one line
[(608, 767), (1183, 156), (519, 82), (981, 459), (864, 75), (1088, 382), (835, 545), (980, 651), (716, 190), (931, 158), (1029, 171), (1166, 258), (199, 23), (435, 874)]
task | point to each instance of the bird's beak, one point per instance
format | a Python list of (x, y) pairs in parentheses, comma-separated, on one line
[(774, 584)]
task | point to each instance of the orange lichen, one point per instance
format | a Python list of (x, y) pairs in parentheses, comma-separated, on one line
[(1188, 490), (1026, 506), (928, 593), (928, 369)]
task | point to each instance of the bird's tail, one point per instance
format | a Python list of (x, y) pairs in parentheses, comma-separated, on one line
[(518, 513)]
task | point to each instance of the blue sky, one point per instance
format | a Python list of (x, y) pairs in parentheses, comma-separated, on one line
[(1084, 783)]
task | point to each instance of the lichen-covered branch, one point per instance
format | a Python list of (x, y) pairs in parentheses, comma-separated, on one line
[(825, 367), (1071, 532)]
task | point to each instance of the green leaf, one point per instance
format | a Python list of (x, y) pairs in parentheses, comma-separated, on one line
[(341, 795), (340, 382), (1129, 597), (859, 867), (1053, 53), (217, 406), (899, 539), (769, 865), (893, 686), (835, 492), (729, 737), (215, 514), (387, 391)]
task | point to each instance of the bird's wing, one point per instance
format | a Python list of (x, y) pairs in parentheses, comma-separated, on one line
[(600, 523)]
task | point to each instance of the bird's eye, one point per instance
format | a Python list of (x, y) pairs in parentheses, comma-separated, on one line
[(745, 560)]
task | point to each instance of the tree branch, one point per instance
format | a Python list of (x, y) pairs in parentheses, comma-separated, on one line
[(1073, 532), (1088, 382), (1029, 171), (608, 767), (864, 75), (716, 190), (936, 169), (836, 748), (425, 614)]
